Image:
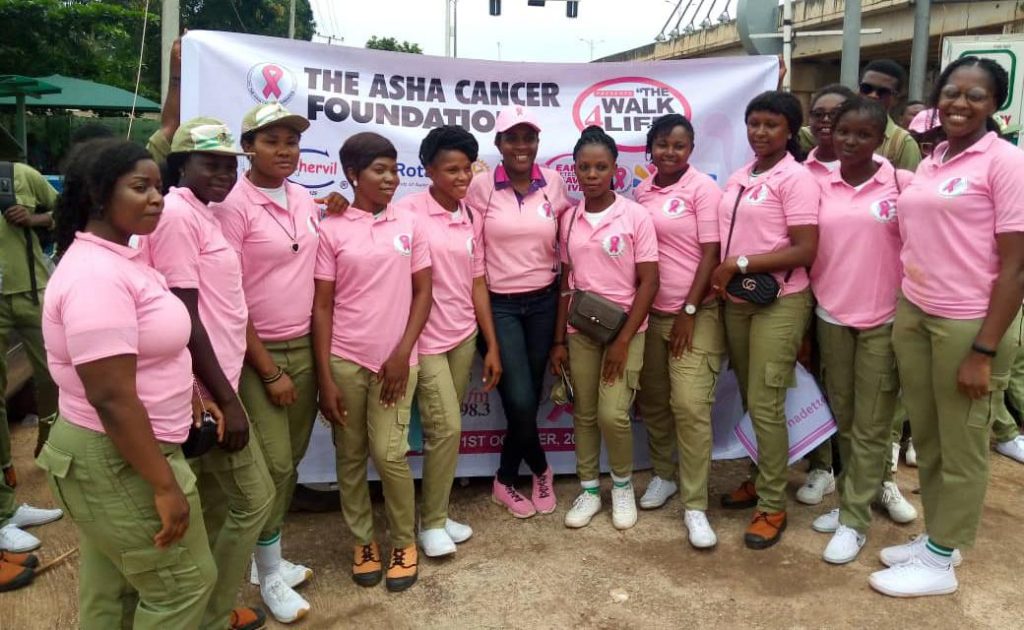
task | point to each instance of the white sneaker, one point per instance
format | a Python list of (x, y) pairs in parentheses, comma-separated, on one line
[(293, 574), (915, 578), (658, 491), (17, 540), (701, 534), (284, 603), (819, 483), (895, 457), (623, 506), (1014, 449), (458, 532), (844, 546), (911, 454), (436, 542), (28, 516), (827, 523), (902, 554), (584, 507), (900, 510)]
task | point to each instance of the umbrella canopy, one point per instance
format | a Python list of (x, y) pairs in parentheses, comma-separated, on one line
[(65, 92)]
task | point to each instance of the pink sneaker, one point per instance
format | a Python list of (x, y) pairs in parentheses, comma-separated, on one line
[(544, 492), (508, 496)]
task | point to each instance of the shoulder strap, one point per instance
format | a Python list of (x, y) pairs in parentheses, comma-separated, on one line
[(732, 221), (7, 198), (568, 250)]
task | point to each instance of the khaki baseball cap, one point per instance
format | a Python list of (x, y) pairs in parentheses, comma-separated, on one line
[(267, 114), (204, 135)]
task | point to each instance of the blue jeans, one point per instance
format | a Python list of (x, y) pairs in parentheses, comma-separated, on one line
[(525, 326)]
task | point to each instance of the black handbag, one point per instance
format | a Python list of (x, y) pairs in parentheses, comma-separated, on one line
[(201, 437), (756, 288), (595, 316)]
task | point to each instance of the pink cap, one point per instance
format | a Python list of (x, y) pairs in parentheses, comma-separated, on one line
[(925, 120), (515, 115)]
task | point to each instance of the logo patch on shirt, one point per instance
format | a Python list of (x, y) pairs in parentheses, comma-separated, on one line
[(674, 207), (614, 245), (954, 187), (884, 210), (546, 211), (403, 244), (757, 195)]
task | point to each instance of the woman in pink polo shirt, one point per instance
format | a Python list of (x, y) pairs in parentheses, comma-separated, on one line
[(611, 249), (685, 340), (768, 222), (855, 278), (519, 208), (822, 159), (116, 342), (272, 224), (447, 345), (373, 296), (958, 323)]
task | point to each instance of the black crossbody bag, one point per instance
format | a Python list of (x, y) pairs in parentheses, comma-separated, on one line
[(593, 315), (756, 288)]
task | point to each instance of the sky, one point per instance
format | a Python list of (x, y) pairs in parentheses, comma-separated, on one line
[(521, 33)]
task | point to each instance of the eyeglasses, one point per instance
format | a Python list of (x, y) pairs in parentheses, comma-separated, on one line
[(821, 115), (883, 92), (974, 95)]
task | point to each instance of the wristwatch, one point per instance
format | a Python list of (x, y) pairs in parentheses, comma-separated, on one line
[(690, 309), (742, 263)]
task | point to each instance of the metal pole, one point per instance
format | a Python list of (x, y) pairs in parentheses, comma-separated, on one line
[(170, 26), (919, 48), (849, 73), (447, 28), (455, 28), (787, 44), (291, 20)]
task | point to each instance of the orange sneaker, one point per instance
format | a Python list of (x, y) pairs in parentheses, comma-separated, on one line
[(366, 565), (742, 498), (765, 530), (27, 560), (14, 576), (402, 569), (245, 618), (10, 477)]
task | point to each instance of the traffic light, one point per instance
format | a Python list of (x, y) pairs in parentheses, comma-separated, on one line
[(572, 9), (535, 3), (495, 7)]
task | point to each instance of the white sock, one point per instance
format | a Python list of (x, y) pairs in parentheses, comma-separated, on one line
[(621, 482), (932, 557), (268, 557)]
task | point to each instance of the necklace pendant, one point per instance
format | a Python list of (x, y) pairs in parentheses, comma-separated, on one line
[(295, 247)]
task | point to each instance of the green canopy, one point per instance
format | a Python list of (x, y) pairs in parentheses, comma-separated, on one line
[(74, 94)]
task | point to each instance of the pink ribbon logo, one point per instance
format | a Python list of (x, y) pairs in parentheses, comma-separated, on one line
[(272, 75)]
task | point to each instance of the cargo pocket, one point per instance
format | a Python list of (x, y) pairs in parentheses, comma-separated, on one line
[(981, 413), (885, 399), (59, 466), (714, 362), (632, 386), (154, 570), (780, 374), (432, 409), (398, 436)]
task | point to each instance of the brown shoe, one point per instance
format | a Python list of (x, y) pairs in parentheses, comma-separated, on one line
[(10, 477), (27, 560), (765, 530), (402, 569), (366, 565), (14, 576), (742, 498), (245, 618)]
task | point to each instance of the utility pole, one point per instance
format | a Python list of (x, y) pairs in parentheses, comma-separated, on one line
[(447, 28), (170, 26), (919, 48), (787, 44), (291, 20), (591, 43), (849, 72)]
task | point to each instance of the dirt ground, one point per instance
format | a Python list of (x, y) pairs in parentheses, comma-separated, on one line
[(538, 574)]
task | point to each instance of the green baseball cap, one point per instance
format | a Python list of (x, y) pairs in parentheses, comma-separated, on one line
[(204, 135), (273, 113)]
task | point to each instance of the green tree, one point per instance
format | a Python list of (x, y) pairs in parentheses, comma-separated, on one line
[(390, 43), (259, 17)]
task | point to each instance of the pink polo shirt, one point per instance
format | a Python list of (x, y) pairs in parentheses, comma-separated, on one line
[(190, 250), (817, 167), (455, 261), (277, 280), (770, 203), (371, 260), (604, 258), (105, 301), (949, 218), (685, 215), (519, 232), (856, 274)]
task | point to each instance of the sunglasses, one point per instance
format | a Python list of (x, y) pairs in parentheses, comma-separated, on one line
[(883, 92), (821, 115)]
